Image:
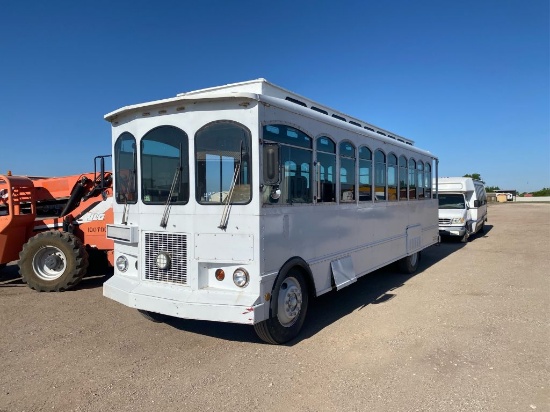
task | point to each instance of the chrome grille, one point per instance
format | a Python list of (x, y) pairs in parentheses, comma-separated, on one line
[(176, 247), (444, 221)]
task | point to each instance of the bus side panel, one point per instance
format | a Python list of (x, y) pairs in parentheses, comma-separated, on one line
[(373, 236)]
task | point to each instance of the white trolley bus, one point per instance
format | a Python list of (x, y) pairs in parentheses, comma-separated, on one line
[(240, 203)]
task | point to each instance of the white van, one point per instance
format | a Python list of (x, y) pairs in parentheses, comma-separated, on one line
[(462, 206)]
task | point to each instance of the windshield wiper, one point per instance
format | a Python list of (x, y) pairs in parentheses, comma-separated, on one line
[(125, 210), (164, 220), (227, 207)]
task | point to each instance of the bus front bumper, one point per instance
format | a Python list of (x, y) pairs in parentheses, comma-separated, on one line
[(180, 302), (452, 231)]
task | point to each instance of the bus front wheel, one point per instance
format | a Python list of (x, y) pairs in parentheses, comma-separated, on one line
[(288, 308)]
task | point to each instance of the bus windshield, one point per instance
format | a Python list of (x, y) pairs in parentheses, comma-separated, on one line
[(451, 201)]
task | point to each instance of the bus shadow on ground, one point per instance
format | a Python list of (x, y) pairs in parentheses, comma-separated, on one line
[(480, 234), (374, 288)]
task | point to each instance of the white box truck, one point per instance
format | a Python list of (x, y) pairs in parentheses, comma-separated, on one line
[(462, 206)]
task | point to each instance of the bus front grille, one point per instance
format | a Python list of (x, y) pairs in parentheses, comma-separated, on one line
[(175, 246), (444, 221)]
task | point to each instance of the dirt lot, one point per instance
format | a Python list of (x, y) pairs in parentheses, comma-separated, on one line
[(469, 332)]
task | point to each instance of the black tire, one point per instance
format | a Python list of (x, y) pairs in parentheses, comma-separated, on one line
[(153, 316), (53, 261), (288, 309), (409, 264)]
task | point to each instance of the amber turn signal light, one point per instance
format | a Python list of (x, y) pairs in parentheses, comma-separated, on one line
[(220, 274)]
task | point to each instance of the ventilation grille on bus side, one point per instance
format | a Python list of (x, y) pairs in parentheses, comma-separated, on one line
[(176, 247)]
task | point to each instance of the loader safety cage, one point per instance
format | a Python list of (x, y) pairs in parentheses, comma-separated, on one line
[(239, 203)]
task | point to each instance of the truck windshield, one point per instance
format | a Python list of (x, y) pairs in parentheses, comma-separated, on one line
[(222, 161), (164, 166), (125, 169), (451, 201)]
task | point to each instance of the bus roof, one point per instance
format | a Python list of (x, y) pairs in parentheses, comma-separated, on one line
[(263, 87), (458, 184)]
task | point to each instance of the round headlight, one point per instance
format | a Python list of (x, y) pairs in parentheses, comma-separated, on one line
[(241, 278), (122, 263), (163, 260)]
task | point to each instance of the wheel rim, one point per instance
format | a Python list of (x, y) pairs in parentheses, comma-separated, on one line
[(49, 263), (414, 259), (289, 302)]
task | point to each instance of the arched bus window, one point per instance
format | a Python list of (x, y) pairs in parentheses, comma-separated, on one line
[(326, 170), (403, 173), (165, 166), (126, 169), (392, 177), (420, 179), (222, 161), (347, 172), (365, 174), (412, 179), (380, 175), (428, 180), (296, 156)]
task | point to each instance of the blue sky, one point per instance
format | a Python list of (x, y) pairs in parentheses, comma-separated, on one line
[(468, 81)]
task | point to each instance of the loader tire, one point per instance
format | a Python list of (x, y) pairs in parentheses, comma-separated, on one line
[(53, 261)]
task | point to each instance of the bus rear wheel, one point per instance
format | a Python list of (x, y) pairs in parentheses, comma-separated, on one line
[(409, 264), (289, 302)]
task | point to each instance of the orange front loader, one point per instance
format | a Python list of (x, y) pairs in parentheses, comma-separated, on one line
[(56, 225)]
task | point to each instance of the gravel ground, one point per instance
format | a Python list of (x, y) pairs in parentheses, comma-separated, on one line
[(469, 332)]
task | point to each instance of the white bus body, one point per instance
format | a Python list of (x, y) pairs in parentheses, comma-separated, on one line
[(239, 203), (462, 206)]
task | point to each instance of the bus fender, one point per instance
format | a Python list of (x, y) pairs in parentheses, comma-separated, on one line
[(267, 287), (300, 263)]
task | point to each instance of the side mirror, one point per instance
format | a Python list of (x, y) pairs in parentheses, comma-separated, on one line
[(271, 164), (477, 203)]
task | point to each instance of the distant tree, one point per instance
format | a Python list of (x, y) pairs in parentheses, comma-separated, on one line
[(491, 189), (475, 176), (545, 191)]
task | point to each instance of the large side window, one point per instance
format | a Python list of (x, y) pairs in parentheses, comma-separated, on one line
[(420, 177), (347, 172), (222, 159), (428, 180), (403, 178), (326, 170), (380, 175), (296, 157), (125, 169), (392, 177), (412, 179), (165, 166), (365, 174)]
